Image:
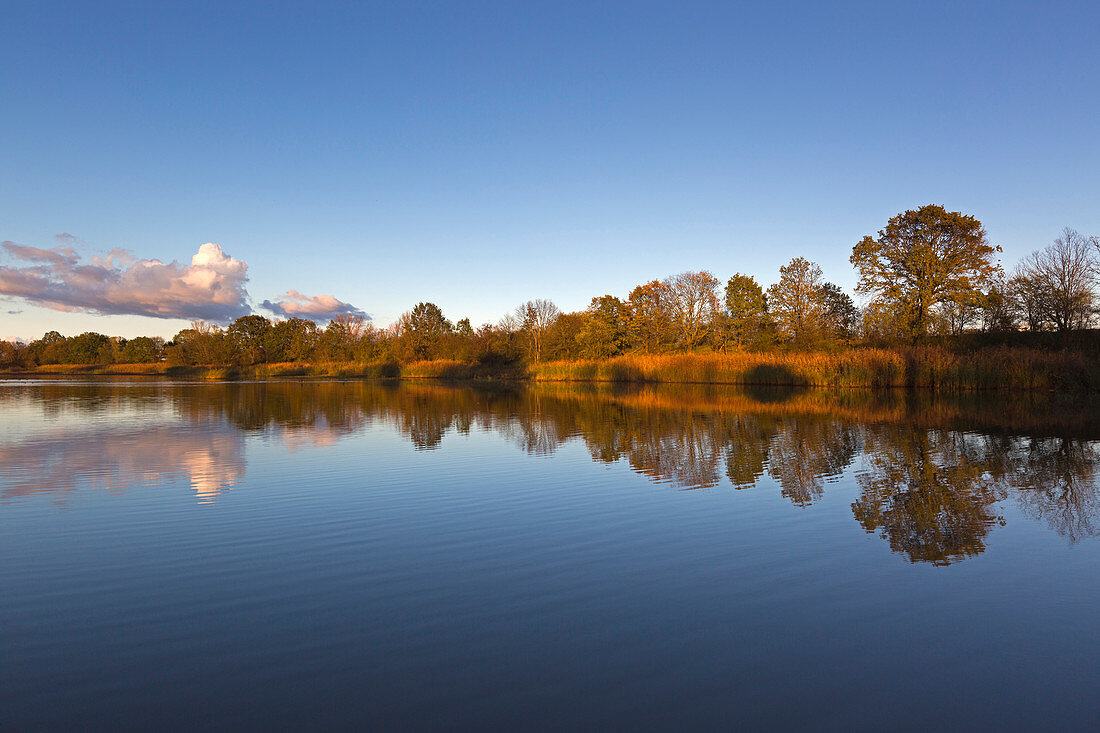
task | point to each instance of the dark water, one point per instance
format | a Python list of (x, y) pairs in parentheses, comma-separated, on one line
[(349, 555)]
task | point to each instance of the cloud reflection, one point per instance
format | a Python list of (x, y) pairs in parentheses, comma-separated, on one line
[(934, 476)]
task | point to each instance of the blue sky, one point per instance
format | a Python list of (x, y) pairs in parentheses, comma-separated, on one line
[(480, 154)]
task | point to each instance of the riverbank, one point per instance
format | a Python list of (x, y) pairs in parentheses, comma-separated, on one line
[(1008, 368)]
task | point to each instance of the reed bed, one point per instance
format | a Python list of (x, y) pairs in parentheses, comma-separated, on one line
[(1002, 367), (930, 367)]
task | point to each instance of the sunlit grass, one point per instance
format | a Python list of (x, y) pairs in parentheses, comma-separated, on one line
[(992, 368), (1001, 367)]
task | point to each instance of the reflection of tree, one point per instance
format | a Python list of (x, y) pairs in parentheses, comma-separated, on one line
[(1057, 483), (688, 456), (748, 438), (923, 493), (929, 492), (805, 453)]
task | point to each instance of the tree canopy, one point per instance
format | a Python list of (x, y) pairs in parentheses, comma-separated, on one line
[(925, 257)]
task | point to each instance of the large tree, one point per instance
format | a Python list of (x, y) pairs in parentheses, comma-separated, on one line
[(797, 302), (248, 334), (925, 257)]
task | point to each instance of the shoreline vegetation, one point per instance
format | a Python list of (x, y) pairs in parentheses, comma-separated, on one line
[(942, 315), (931, 367)]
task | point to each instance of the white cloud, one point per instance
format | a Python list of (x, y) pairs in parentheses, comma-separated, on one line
[(293, 304), (212, 287)]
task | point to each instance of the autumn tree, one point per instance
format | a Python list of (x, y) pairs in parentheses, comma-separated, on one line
[(796, 302), (651, 315), (9, 353), (878, 322), (955, 316), (746, 308), (925, 257), (561, 339), (925, 493)]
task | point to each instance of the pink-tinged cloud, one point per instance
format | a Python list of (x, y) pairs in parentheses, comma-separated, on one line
[(293, 304), (211, 288)]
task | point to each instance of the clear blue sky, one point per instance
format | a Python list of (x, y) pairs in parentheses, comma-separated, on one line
[(480, 154)]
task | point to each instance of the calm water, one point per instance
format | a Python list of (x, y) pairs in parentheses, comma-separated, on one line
[(422, 557)]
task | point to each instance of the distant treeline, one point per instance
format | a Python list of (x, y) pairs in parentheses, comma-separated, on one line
[(930, 275)]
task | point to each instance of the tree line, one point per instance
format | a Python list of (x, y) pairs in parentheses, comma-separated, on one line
[(928, 272)]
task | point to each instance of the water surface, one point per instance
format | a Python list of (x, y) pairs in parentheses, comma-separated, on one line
[(349, 554)]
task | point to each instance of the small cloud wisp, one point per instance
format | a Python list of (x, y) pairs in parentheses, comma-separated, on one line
[(294, 304)]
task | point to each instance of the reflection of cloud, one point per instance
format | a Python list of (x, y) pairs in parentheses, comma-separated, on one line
[(116, 460), (315, 436), (212, 287), (313, 307)]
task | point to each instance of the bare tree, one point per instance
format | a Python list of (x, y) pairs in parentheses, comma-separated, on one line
[(1065, 274), (351, 325), (535, 318), (1029, 299), (694, 303)]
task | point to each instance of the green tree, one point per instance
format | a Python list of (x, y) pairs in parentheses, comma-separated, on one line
[(141, 350), (248, 334), (294, 339), (604, 333), (47, 350), (925, 257), (422, 328), (87, 348), (841, 314), (746, 308)]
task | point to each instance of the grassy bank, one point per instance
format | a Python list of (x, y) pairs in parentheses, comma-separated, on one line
[(935, 368), (443, 370), (1003, 367)]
